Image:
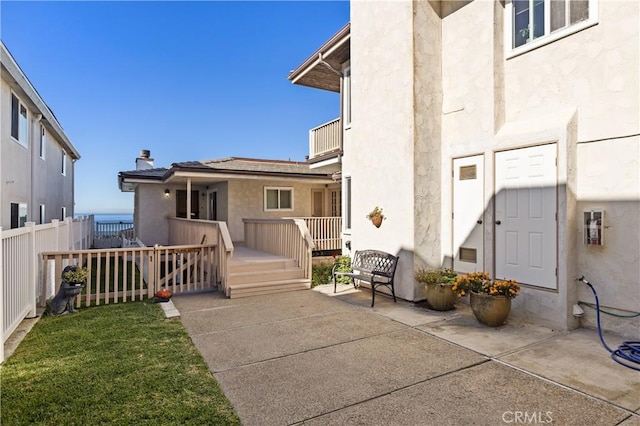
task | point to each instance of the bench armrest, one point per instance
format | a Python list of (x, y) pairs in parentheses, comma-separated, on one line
[(382, 274)]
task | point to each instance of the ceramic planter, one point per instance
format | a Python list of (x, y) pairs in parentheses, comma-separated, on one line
[(377, 221), (440, 297), (490, 310)]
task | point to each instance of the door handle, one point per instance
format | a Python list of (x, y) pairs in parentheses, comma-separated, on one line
[(498, 222), (479, 221)]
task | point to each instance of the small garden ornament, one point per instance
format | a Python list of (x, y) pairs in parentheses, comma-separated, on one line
[(73, 282)]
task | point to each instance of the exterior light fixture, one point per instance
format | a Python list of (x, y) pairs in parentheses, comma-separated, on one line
[(167, 192)]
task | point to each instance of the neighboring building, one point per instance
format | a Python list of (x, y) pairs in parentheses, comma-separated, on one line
[(492, 148), (37, 157), (227, 190)]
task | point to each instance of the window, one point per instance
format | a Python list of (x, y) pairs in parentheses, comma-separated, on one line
[(43, 142), (346, 96), (532, 23), (19, 121), (336, 202), (278, 199), (64, 162), (18, 215), (43, 218), (347, 203), (63, 213)]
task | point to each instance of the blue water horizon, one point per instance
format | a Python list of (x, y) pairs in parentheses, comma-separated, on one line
[(109, 217)]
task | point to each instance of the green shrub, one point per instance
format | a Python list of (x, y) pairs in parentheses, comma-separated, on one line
[(321, 273)]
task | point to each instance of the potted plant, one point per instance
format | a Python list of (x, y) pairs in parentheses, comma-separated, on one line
[(376, 217), (75, 275), (438, 287), (490, 300)]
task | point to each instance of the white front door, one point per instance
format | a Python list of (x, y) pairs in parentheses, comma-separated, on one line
[(525, 215), (468, 213)]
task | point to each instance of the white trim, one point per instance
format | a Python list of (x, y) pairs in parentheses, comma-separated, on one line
[(511, 52), (278, 188)]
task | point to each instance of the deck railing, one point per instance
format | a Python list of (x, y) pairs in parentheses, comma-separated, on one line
[(21, 268), (111, 234), (325, 139), (283, 237), (326, 232), (193, 231), (127, 274)]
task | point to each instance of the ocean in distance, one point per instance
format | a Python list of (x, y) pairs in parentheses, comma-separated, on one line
[(109, 217)]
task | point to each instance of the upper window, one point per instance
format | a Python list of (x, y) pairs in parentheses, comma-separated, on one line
[(346, 96), (532, 23), (43, 142), (278, 199), (64, 162), (43, 218), (63, 213), (19, 121)]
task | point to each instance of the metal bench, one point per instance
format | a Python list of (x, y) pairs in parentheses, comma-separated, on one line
[(372, 266)]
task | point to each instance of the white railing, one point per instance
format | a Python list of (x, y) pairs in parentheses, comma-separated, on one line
[(283, 237), (326, 232), (193, 231), (21, 267), (122, 275), (325, 138)]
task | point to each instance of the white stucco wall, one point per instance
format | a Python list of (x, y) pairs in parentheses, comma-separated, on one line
[(380, 155), (579, 92)]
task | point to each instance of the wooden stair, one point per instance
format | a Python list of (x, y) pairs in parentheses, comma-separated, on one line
[(253, 274)]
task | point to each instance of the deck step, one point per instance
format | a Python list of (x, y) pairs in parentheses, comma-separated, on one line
[(254, 265), (265, 275), (268, 287)]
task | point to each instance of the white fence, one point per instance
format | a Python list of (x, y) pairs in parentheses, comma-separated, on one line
[(21, 268)]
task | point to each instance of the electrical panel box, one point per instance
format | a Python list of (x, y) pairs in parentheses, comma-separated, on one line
[(594, 227)]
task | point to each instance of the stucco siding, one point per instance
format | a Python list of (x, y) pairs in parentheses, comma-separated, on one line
[(381, 150), (594, 71), (246, 200)]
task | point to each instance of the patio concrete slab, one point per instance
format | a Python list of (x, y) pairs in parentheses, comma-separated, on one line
[(240, 346), (466, 331), (579, 361), (408, 313), (208, 312), (486, 394), (298, 387), (633, 420)]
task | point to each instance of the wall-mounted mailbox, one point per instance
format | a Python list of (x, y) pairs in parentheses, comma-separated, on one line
[(594, 227)]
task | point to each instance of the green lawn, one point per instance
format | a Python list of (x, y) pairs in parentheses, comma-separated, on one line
[(115, 364)]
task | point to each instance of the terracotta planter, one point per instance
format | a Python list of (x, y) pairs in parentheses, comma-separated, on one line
[(377, 221), (490, 310), (440, 297)]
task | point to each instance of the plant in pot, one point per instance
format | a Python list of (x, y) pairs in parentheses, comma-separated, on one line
[(490, 300), (438, 287), (75, 275), (376, 217)]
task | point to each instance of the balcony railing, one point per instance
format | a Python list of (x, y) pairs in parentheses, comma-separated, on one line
[(325, 139), (326, 232)]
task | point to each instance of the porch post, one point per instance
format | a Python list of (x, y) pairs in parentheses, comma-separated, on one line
[(189, 198)]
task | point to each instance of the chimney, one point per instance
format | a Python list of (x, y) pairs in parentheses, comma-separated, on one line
[(144, 162)]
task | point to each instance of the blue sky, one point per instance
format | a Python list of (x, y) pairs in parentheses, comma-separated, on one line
[(186, 80)]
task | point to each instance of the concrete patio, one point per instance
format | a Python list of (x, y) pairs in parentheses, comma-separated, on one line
[(313, 357)]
